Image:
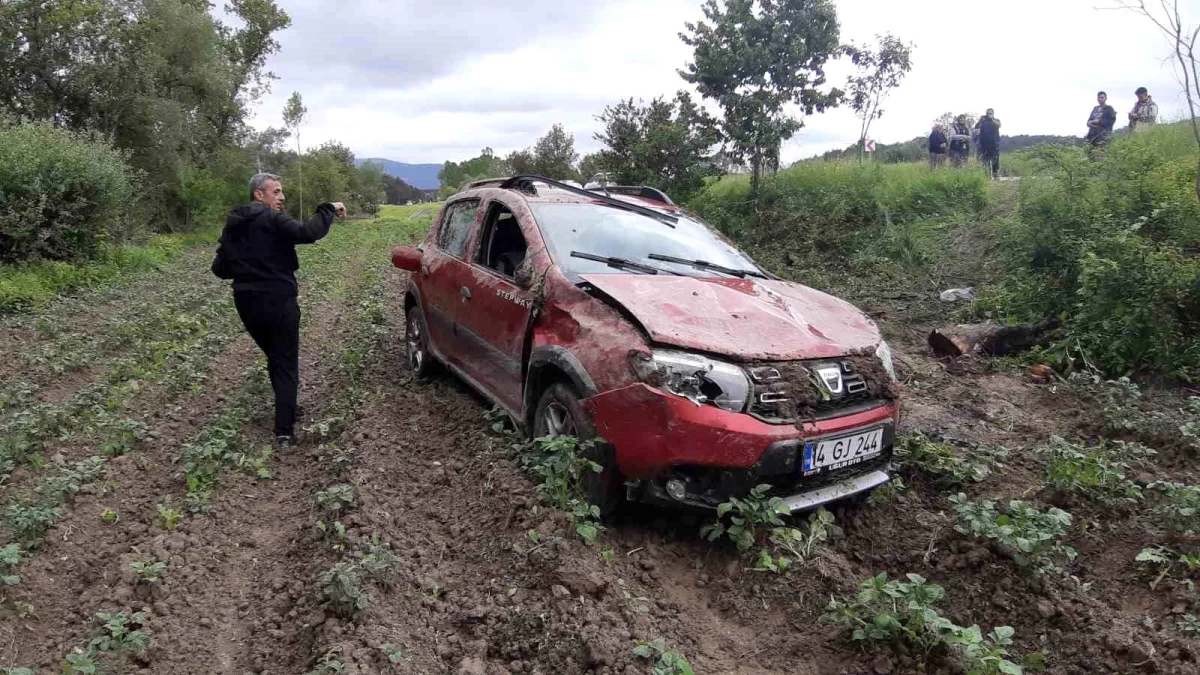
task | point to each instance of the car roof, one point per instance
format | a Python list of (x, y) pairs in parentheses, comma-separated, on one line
[(537, 190)]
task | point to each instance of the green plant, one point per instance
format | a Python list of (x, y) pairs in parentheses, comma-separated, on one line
[(149, 572), (110, 516), (120, 637), (883, 495), (885, 610), (167, 516), (1189, 625), (561, 463), (1095, 472), (329, 663), (10, 557), (342, 583), (945, 462), (663, 661), (123, 436), (1167, 560), (1178, 506), (335, 499), (607, 556), (1031, 537), (30, 522), (754, 511), (394, 653), (16, 671)]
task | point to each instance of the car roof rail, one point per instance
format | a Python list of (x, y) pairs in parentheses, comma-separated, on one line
[(526, 182), (485, 182), (643, 191)]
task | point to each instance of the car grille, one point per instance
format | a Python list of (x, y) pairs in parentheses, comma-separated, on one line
[(799, 391)]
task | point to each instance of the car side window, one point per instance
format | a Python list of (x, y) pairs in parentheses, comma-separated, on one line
[(456, 227), (502, 246)]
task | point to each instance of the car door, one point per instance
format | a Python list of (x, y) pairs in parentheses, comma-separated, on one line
[(445, 273), (494, 321)]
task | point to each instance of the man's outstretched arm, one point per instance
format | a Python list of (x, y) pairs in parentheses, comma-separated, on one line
[(313, 230)]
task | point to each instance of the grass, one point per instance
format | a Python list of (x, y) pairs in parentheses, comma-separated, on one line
[(32, 286)]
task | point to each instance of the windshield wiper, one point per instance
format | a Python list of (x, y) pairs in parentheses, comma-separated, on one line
[(619, 262), (705, 265)]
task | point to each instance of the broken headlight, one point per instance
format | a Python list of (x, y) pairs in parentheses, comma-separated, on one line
[(697, 378), (884, 353)]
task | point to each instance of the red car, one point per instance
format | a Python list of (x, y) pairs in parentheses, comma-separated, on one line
[(610, 313)]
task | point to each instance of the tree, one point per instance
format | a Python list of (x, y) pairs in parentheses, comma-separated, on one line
[(878, 72), (666, 144), (293, 115), (1183, 40), (554, 155), (755, 58)]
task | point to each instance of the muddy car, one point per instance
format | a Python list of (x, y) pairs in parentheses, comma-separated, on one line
[(612, 314)]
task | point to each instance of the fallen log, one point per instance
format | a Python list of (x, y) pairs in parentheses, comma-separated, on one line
[(990, 338)]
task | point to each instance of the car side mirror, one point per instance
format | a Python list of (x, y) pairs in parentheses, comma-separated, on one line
[(407, 258), (523, 277)]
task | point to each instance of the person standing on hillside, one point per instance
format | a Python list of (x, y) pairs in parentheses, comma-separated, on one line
[(1100, 122), (989, 142), (1145, 113), (960, 143), (258, 252), (937, 147)]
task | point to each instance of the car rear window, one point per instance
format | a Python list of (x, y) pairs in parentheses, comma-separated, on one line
[(610, 232)]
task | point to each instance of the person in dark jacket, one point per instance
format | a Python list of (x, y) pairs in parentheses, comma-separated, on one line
[(258, 252), (989, 142), (1100, 122), (937, 147), (960, 142)]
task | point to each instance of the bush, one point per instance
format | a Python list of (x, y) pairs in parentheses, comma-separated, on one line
[(62, 194)]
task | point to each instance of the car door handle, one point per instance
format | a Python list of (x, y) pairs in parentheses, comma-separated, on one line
[(465, 293)]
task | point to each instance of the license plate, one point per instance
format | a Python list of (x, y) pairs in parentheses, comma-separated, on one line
[(843, 451)]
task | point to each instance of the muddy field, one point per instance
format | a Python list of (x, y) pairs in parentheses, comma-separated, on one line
[(408, 513)]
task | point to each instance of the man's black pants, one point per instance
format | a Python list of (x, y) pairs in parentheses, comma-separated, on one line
[(991, 161), (274, 322)]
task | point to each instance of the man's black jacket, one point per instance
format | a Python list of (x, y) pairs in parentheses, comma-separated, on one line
[(258, 247)]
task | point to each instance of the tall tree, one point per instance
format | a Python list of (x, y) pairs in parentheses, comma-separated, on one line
[(665, 144), (757, 57), (554, 154), (293, 116), (878, 72)]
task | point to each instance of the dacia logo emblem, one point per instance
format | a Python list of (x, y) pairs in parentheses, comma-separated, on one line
[(831, 376)]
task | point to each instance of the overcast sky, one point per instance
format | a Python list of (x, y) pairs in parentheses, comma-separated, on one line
[(426, 81)]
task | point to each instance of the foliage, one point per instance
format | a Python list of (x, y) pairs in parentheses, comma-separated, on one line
[(168, 517), (798, 543), (664, 661), (64, 193), (1178, 507), (1166, 560), (342, 584), (10, 557), (945, 462), (120, 638), (750, 513), (665, 144), (754, 58), (335, 499), (878, 72), (149, 572), (554, 155), (1033, 538), (561, 464), (1095, 472), (885, 610), (454, 176)]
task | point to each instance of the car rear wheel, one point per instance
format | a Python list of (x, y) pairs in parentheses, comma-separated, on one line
[(559, 413), (416, 343)]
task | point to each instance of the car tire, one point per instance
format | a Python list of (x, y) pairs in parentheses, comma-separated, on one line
[(416, 343), (559, 413)]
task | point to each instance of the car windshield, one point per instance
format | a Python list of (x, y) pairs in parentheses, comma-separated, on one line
[(604, 231)]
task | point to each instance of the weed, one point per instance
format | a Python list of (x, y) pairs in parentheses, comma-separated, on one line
[(120, 638), (561, 463), (1178, 507), (1095, 472), (335, 499), (167, 516), (70, 480), (110, 516), (1031, 537), (756, 510), (883, 495), (885, 610), (607, 556), (31, 522), (1189, 625), (342, 583), (394, 653), (123, 436), (329, 663), (947, 463), (149, 572), (10, 557), (1166, 560), (664, 661), (799, 542), (15, 670)]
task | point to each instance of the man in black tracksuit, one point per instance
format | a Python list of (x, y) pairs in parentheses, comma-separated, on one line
[(258, 252)]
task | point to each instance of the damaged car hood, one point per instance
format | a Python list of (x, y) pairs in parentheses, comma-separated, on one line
[(742, 318)]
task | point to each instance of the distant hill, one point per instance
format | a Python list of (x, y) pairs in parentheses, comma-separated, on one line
[(420, 176)]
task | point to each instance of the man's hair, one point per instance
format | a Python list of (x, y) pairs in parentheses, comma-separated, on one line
[(1102, 93), (257, 181), (1140, 91), (990, 110)]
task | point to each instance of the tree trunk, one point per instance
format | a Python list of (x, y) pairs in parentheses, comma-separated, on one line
[(990, 338)]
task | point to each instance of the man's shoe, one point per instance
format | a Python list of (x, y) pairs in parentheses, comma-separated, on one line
[(282, 442)]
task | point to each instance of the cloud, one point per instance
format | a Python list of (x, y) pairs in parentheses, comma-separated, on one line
[(425, 81)]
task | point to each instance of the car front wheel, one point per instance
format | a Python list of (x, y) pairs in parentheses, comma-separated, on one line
[(559, 413)]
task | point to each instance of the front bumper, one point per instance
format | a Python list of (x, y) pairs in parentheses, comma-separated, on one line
[(716, 453)]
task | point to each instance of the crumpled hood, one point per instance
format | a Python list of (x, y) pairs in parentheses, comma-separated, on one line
[(748, 319)]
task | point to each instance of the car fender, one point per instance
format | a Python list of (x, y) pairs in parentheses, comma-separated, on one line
[(558, 357)]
